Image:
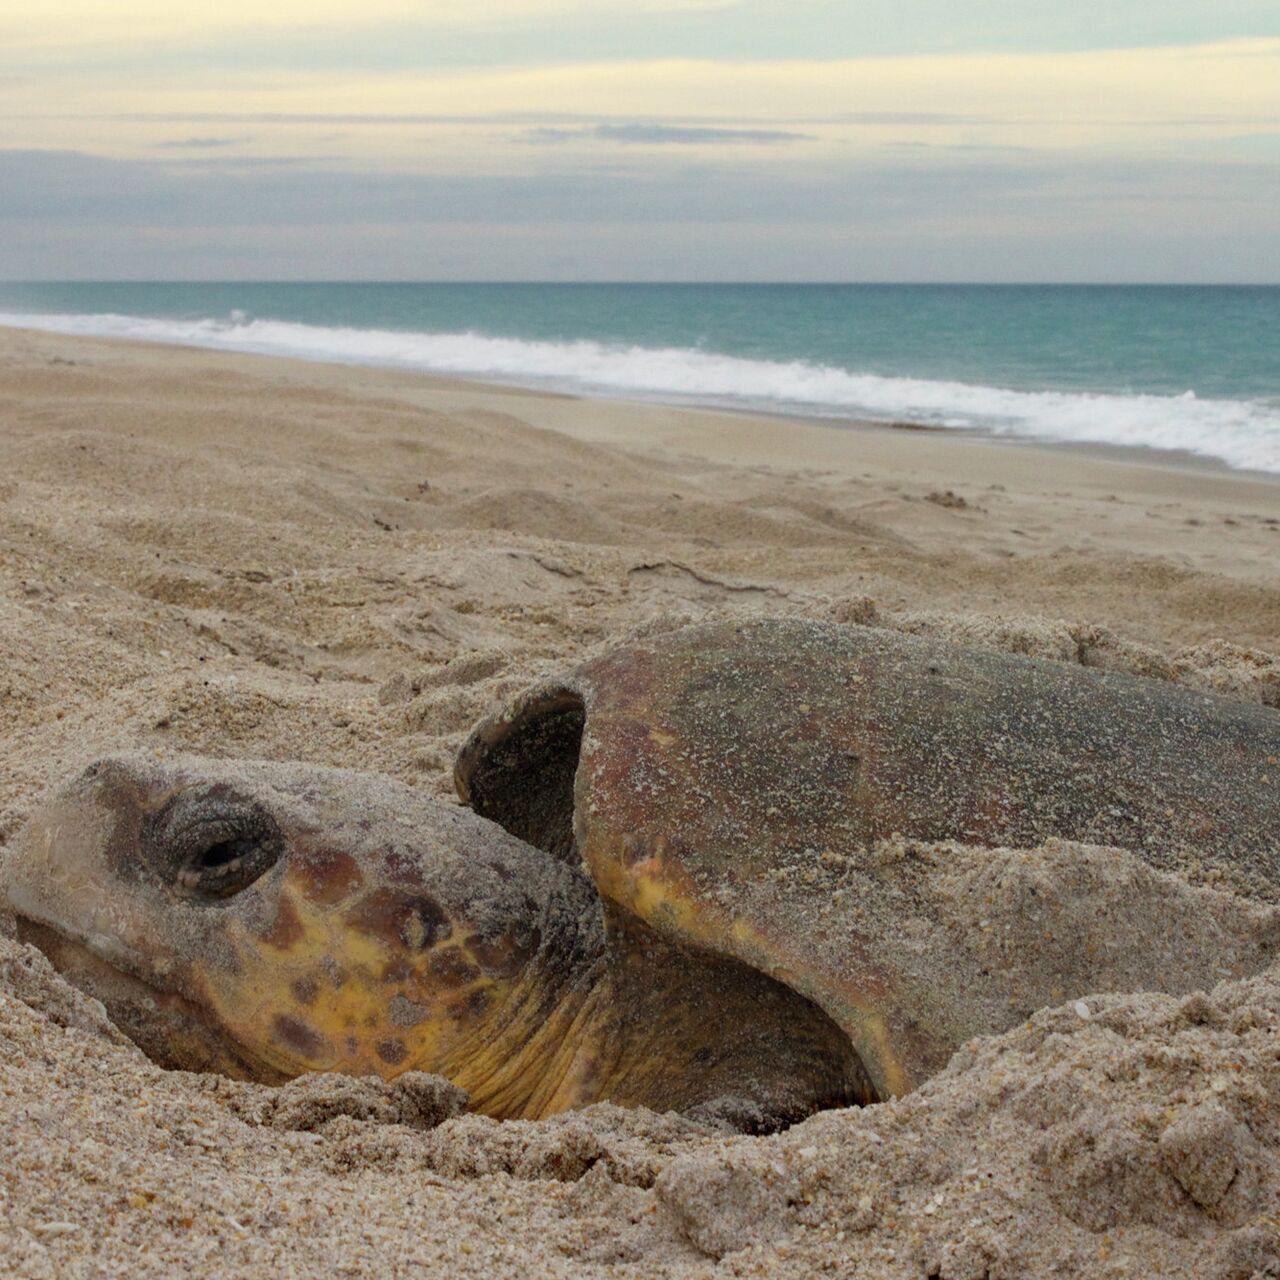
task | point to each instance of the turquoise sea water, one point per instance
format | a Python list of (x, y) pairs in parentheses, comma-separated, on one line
[(1194, 368)]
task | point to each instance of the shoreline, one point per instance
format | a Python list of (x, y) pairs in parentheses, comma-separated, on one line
[(1135, 455)]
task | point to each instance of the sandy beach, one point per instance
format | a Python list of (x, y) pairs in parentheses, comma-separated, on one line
[(242, 556)]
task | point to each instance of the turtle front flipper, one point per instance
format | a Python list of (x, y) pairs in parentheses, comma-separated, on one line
[(692, 1028), (701, 858), (846, 942)]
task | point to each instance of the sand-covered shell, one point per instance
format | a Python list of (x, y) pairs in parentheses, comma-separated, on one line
[(739, 786)]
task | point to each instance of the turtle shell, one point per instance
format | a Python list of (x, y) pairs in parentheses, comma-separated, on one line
[(738, 787)]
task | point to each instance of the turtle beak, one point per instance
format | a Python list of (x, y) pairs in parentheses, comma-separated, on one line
[(100, 928), (59, 875)]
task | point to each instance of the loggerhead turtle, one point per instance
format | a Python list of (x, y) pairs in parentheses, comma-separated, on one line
[(265, 920), (745, 938)]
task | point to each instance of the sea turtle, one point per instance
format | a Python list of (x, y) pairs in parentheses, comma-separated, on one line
[(701, 899), (264, 920)]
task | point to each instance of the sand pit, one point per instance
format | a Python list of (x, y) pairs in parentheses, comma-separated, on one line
[(212, 554)]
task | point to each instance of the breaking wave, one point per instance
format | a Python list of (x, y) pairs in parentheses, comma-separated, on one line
[(1241, 433)]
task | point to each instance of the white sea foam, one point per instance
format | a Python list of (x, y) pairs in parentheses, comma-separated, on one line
[(1240, 433)]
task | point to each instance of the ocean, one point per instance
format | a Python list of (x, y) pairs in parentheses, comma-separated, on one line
[(1189, 368)]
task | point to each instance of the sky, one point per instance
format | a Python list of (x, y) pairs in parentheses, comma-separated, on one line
[(834, 140)]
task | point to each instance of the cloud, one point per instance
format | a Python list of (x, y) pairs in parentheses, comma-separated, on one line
[(72, 187), (1105, 98), (661, 135), (208, 163), (374, 120), (198, 144), (45, 187), (70, 23), (994, 148)]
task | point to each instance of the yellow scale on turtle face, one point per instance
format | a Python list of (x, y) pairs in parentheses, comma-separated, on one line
[(363, 989)]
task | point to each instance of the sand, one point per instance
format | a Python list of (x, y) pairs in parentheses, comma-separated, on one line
[(248, 557)]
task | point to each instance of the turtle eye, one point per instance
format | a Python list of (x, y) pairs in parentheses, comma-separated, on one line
[(210, 844)]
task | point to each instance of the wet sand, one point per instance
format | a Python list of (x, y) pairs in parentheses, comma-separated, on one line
[(241, 556)]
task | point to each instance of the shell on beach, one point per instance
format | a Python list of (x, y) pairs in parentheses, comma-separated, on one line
[(766, 791)]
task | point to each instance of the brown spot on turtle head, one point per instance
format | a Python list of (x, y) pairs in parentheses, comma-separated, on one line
[(300, 1039), (413, 920), (392, 1052), (507, 953), (305, 990), (285, 930), (452, 966), (326, 876), (478, 1001)]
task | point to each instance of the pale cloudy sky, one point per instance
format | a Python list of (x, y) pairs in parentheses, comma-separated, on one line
[(645, 139)]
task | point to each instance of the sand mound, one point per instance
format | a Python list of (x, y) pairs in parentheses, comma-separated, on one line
[(1134, 1132), (1115, 1133)]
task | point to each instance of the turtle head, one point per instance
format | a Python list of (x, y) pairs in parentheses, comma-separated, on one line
[(266, 920)]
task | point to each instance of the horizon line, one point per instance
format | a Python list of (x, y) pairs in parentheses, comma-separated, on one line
[(670, 283)]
